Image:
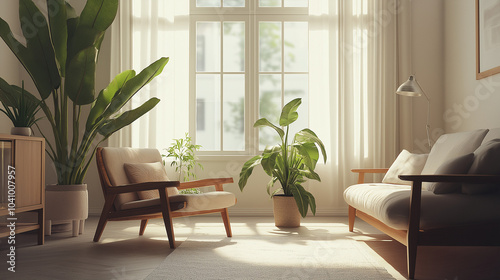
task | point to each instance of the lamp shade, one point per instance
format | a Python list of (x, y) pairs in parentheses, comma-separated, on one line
[(410, 88)]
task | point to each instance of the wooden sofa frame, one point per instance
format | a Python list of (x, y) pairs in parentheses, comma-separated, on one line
[(481, 234), (165, 210)]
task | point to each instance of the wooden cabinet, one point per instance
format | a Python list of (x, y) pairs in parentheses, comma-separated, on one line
[(22, 184)]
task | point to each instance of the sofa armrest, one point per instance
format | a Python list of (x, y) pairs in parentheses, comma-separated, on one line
[(463, 178), (362, 171)]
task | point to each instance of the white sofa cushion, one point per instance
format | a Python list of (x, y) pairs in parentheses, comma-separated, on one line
[(485, 162), (493, 133), (390, 204), (148, 172), (458, 165), (405, 164)]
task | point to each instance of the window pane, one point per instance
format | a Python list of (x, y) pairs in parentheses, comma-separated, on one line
[(234, 3), (207, 3), (270, 46), (296, 3), (208, 111), (234, 47), (269, 3), (208, 46), (269, 107), (234, 112), (296, 46), (296, 85)]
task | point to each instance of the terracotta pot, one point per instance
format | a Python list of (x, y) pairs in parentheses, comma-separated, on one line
[(66, 204), (24, 131), (286, 213)]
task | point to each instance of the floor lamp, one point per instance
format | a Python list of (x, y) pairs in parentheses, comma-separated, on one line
[(412, 88)]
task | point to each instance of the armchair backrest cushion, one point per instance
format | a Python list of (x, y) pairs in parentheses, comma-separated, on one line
[(148, 172), (114, 160), (493, 133)]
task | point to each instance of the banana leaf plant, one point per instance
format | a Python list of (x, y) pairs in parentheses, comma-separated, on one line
[(60, 56), (289, 163), (21, 108)]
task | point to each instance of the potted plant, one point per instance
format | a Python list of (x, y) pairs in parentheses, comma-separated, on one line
[(60, 55), (19, 107), (290, 164), (185, 161)]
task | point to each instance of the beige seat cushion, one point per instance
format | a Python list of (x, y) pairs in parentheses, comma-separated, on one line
[(195, 202), (148, 172), (389, 203)]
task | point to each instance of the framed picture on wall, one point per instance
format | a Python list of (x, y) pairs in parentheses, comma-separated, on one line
[(487, 38)]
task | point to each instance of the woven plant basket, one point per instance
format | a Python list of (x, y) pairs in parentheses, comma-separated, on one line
[(286, 213)]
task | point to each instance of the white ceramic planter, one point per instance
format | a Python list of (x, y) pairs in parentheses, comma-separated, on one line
[(24, 131), (286, 212), (66, 203)]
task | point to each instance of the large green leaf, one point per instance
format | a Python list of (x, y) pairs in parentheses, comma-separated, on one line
[(247, 169), (80, 79), (269, 158), (309, 153), (35, 30), (31, 59), (96, 17), (265, 122), (59, 31), (132, 86), (127, 118), (105, 97), (307, 135), (289, 112), (300, 198), (7, 94)]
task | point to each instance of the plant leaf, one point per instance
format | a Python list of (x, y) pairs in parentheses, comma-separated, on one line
[(289, 112), (269, 158), (307, 135), (300, 196), (308, 152), (59, 31), (80, 79), (127, 118), (133, 85), (96, 17), (265, 122), (247, 169), (105, 97)]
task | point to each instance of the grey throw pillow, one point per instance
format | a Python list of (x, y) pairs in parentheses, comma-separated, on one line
[(486, 161), (458, 165)]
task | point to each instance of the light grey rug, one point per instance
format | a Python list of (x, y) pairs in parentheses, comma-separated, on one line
[(266, 252)]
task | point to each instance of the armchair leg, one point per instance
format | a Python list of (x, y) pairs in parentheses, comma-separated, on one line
[(167, 218), (144, 223), (227, 225), (103, 220), (352, 217), (411, 259)]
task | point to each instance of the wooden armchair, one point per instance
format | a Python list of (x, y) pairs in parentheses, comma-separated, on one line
[(129, 197), (478, 234)]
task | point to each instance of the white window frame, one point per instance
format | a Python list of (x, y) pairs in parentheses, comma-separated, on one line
[(251, 15)]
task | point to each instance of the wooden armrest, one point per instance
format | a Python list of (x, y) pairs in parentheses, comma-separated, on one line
[(463, 178), (362, 171), (370, 170), (205, 183), (142, 187)]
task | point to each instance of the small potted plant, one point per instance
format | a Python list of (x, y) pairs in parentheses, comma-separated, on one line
[(21, 108), (185, 161), (290, 164)]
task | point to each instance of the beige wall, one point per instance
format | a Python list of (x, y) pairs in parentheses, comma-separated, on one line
[(469, 103)]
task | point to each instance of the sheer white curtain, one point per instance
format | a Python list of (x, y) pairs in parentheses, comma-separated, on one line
[(352, 88), (144, 31)]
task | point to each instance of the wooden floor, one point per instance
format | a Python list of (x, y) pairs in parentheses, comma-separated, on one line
[(122, 254)]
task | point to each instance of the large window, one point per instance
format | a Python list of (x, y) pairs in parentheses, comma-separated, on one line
[(250, 58)]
